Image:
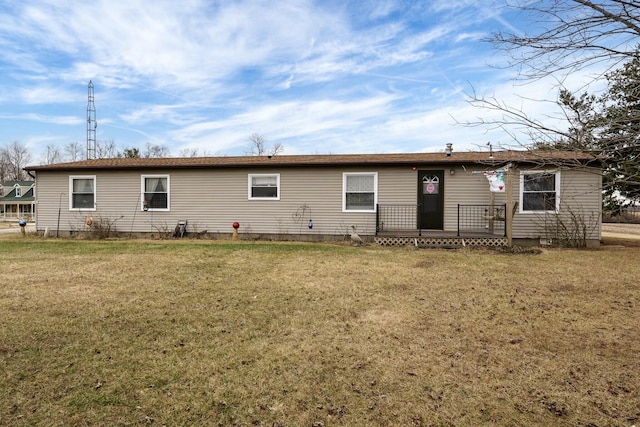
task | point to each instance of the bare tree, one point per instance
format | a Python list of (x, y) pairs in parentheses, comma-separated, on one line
[(155, 151), (13, 159), (258, 147), (52, 155), (567, 36), (74, 151), (276, 149), (189, 152), (571, 35), (4, 167), (106, 149), (150, 151)]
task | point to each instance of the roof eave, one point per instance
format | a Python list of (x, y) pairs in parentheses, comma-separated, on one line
[(407, 159)]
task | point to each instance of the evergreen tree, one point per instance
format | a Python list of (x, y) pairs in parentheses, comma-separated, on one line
[(619, 140), (609, 127)]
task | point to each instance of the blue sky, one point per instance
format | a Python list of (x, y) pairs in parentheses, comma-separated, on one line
[(318, 77)]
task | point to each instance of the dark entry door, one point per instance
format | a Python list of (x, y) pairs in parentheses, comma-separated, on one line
[(431, 199)]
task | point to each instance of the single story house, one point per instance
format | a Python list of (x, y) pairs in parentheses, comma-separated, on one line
[(17, 200), (497, 197)]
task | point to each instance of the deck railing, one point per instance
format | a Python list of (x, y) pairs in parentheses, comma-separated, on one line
[(15, 216), (482, 219), (472, 219), (396, 217)]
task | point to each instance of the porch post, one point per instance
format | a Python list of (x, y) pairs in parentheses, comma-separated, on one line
[(508, 215), (492, 210)]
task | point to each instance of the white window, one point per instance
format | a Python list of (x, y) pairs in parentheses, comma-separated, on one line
[(539, 191), (359, 191), (82, 193), (264, 187), (18, 191), (155, 192)]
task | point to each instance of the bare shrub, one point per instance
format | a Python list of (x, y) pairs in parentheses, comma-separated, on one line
[(101, 227), (163, 230), (572, 228), (283, 229), (196, 232)]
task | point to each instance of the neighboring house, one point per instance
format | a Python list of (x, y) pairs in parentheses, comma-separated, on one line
[(422, 198), (17, 200)]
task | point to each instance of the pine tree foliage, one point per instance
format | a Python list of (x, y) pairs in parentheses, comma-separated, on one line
[(609, 127)]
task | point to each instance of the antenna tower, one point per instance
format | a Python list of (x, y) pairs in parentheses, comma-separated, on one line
[(91, 125)]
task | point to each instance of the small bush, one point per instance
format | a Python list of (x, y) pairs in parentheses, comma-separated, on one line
[(101, 228)]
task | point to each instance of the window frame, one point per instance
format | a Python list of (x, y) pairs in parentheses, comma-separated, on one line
[(72, 178), (556, 174), (143, 205), (18, 191), (251, 186), (345, 177)]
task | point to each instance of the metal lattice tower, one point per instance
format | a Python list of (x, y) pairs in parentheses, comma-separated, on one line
[(91, 125)]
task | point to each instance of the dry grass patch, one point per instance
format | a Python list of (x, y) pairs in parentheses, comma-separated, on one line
[(214, 333)]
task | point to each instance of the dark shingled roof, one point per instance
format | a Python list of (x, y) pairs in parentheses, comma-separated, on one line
[(27, 192), (417, 159)]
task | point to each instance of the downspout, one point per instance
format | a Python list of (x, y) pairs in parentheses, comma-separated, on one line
[(35, 193)]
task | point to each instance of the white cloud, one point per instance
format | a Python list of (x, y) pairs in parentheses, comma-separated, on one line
[(476, 35), (287, 120), (381, 76), (41, 118), (43, 94), (382, 9)]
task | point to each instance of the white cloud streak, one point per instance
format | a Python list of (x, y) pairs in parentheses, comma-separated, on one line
[(316, 76)]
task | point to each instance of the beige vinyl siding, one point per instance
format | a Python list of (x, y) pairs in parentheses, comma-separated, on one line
[(580, 204), (397, 186), (585, 193), (213, 199), (580, 194), (52, 195)]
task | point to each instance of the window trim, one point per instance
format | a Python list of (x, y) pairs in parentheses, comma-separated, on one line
[(18, 190), (95, 192), (522, 192), (250, 186), (143, 188), (345, 176)]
